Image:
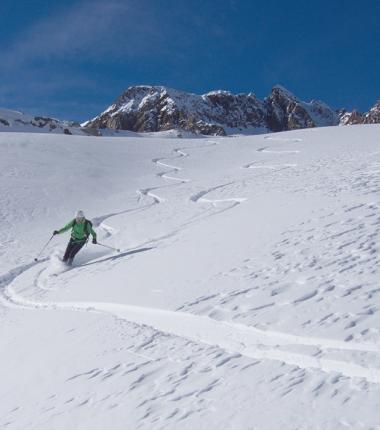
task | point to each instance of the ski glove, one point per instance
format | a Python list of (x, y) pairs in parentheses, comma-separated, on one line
[(55, 232), (94, 241)]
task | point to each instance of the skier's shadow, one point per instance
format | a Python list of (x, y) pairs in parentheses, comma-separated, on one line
[(116, 257)]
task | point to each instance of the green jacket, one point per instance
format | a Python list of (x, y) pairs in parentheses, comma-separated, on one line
[(79, 231)]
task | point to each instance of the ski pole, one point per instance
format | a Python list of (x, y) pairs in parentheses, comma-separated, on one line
[(42, 250), (109, 247)]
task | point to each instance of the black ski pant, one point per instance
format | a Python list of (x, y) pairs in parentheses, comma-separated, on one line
[(72, 249)]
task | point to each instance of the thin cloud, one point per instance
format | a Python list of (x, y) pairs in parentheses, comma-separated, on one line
[(88, 30), (91, 50)]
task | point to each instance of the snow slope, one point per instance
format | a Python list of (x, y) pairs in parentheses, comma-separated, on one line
[(245, 295)]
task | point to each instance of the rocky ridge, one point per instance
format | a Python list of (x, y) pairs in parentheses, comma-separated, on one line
[(157, 108), (356, 117)]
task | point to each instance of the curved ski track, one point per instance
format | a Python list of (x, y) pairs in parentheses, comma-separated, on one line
[(238, 338)]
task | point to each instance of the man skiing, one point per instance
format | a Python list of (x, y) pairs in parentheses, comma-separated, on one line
[(81, 228)]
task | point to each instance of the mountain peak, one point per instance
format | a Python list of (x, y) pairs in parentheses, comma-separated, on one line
[(157, 108), (280, 90), (152, 108)]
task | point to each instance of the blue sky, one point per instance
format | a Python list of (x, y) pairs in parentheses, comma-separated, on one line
[(71, 59)]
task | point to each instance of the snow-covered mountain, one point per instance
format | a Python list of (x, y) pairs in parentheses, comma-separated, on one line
[(286, 112), (245, 296), (19, 122), (157, 108), (355, 117), (152, 109)]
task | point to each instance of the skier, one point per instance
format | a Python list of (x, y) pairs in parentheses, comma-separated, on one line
[(81, 228)]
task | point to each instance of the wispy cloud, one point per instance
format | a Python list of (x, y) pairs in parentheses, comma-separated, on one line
[(91, 29), (99, 29), (51, 58), (92, 47)]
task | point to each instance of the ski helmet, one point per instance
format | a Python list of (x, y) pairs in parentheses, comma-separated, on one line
[(79, 214)]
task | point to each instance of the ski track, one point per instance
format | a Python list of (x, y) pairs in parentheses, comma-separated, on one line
[(200, 197), (196, 198), (147, 192), (99, 221), (233, 337), (265, 149), (9, 277), (283, 139), (173, 169), (276, 167)]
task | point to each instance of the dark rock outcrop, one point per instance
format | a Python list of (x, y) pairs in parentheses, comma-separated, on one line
[(373, 115), (146, 108), (149, 108), (286, 112), (349, 118), (355, 117)]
